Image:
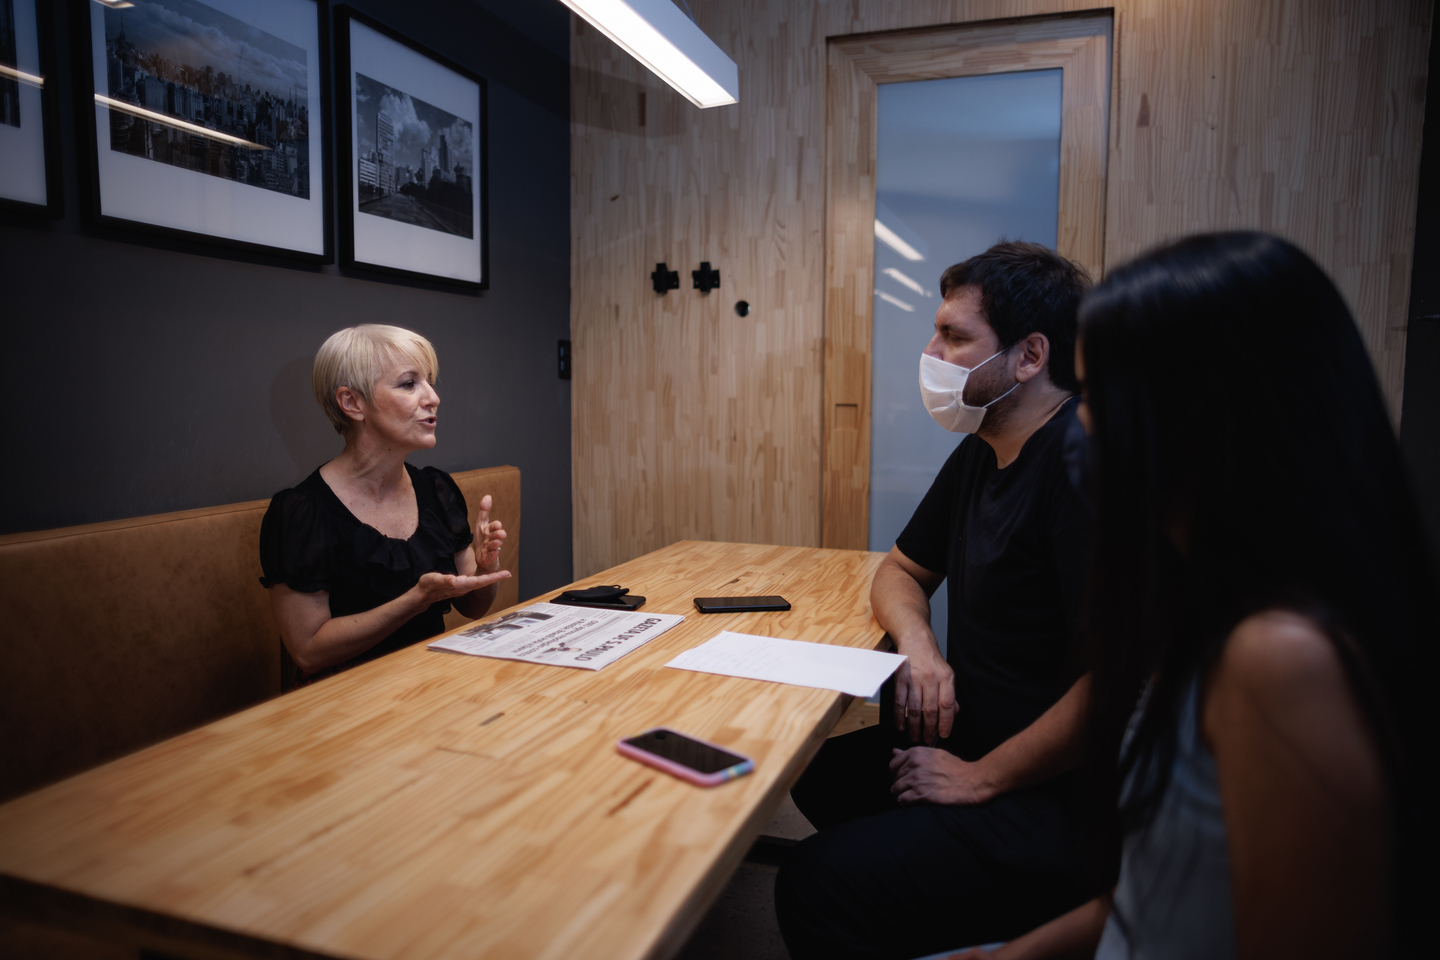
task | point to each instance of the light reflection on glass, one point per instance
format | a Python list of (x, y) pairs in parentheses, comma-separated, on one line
[(893, 240), (22, 76), (170, 121)]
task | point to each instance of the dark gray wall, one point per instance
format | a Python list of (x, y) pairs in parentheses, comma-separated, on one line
[(1420, 410), (147, 374)]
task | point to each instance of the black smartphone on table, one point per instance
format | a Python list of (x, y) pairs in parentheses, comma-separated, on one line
[(740, 604)]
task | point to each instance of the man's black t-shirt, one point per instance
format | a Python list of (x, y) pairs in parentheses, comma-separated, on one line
[(1014, 547)]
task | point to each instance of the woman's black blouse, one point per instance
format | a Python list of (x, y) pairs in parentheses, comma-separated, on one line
[(310, 541)]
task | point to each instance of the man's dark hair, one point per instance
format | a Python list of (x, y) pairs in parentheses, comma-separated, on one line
[(1026, 288)]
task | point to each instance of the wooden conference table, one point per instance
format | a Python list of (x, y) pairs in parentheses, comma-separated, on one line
[(432, 805)]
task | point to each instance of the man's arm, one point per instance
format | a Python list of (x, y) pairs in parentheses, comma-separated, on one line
[(924, 684), (1050, 746)]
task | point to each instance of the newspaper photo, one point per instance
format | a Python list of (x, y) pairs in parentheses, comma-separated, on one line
[(564, 636)]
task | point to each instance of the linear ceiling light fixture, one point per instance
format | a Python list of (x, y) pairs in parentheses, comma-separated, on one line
[(677, 51)]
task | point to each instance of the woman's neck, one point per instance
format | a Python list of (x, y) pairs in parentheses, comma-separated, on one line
[(369, 465)]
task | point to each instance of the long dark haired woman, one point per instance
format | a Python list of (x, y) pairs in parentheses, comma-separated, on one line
[(1260, 571)]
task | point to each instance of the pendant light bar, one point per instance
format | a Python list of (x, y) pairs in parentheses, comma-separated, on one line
[(677, 51)]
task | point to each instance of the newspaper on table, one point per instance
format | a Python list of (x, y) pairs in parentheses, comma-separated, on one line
[(565, 636)]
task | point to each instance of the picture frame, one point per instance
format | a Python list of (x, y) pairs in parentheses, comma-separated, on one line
[(30, 172), (205, 119), (411, 142)]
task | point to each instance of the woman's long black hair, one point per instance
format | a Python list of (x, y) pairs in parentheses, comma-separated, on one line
[(1243, 459)]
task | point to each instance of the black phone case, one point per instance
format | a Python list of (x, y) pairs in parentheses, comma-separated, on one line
[(627, 602)]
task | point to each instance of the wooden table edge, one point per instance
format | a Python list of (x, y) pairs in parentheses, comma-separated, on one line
[(694, 911)]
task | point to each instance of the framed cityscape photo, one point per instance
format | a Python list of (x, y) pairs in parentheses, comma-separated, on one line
[(412, 158), (29, 148), (207, 119)]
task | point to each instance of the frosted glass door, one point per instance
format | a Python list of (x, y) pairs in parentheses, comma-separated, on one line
[(962, 163)]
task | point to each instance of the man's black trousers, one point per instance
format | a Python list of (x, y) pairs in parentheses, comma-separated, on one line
[(884, 881)]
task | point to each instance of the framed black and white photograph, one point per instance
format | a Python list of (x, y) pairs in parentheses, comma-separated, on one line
[(209, 120), (29, 150), (412, 158)]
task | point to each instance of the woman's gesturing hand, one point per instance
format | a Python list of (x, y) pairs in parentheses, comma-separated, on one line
[(434, 587), (489, 535)]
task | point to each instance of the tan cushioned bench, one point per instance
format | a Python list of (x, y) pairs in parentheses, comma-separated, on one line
[(119, 635)]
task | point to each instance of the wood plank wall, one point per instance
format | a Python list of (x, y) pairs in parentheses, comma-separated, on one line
[(1302, 118)]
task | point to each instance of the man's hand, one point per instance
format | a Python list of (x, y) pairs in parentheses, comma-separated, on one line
[(924, 684), (926, 775), (925, 696)]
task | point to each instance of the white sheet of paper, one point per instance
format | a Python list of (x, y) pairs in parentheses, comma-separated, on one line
[(847, 669)]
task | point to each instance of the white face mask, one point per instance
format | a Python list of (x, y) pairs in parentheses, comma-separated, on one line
[(942, 387)]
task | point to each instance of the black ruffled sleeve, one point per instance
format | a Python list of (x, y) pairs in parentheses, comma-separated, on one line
[(452, 508), (297, 545)]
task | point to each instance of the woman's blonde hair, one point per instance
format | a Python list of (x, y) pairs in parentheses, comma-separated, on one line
[(356, 357)]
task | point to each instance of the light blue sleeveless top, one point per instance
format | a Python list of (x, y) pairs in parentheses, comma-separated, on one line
[(1173, 898)]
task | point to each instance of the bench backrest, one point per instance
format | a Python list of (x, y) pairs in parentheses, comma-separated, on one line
[(114, 636)]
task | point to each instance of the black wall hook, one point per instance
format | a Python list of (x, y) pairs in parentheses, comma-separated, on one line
[(705, 278), (662, 279)]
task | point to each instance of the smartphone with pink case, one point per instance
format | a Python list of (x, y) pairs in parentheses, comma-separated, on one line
[(686, 757)]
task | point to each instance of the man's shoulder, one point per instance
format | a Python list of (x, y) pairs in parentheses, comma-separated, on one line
[(961, 459)]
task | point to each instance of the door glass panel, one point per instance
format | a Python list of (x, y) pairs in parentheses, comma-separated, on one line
[(963, 162)]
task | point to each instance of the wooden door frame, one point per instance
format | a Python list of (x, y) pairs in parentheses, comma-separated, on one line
[(1078, 45)]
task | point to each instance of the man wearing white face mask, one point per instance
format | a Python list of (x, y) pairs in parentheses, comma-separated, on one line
[(957, 825)]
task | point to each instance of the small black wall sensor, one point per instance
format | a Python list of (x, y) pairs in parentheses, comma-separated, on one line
[(742, 308), (662, 279), (562, 357), (705, 278)]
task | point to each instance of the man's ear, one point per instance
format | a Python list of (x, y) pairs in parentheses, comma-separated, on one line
[(351, 403), (1034, 357)]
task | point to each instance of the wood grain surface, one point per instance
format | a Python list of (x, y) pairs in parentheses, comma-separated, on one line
[(1080, 48), (433, 805), (1302, 119)]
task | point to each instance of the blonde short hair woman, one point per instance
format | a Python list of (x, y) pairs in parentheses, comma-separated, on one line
[(367, 554)]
